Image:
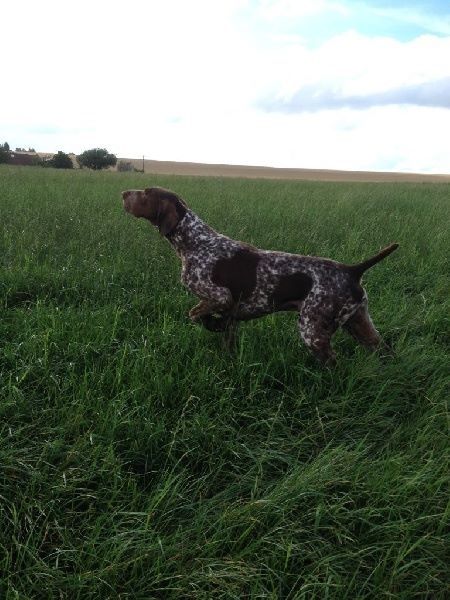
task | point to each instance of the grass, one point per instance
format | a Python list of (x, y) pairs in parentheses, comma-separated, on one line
[(137, 460)]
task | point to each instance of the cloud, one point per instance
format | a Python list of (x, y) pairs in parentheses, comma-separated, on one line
[(316, 97), (359, 72)]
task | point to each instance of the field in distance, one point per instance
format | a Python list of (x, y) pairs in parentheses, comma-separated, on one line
[(140, 460), (159, 167)]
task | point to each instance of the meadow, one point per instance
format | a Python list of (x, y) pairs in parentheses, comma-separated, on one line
[(140, 460)]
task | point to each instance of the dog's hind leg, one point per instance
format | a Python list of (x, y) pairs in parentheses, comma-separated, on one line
[(316, 330), (361, 328)]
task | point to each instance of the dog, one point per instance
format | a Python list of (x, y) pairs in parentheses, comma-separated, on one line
[(235, 281)]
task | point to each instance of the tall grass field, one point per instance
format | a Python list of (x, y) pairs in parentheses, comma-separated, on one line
[(140, 460)]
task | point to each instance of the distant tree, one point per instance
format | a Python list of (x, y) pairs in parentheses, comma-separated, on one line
[(61, 160), (31, 150), (20, 150), (4, 153), (97, 158)]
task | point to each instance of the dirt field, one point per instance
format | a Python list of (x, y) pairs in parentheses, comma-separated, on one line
[(199, 169)]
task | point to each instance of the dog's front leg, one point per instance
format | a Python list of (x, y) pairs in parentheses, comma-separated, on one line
[(225, 324), (205, 309), (214, 299), (219, 323)]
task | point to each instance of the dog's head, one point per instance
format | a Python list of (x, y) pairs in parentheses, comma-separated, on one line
[(162, 208)]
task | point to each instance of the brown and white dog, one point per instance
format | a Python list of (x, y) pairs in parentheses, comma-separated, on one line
[(236, 282)]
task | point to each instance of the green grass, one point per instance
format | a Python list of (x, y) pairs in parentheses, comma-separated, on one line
[(138, 460)]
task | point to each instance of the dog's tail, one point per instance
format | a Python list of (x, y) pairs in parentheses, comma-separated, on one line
[(358, 270)]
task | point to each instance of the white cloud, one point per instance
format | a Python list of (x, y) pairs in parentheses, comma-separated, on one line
[(352, 64)]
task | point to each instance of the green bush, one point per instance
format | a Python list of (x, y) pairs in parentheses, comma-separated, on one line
[(96, 159), (61, 160), (4, 153)]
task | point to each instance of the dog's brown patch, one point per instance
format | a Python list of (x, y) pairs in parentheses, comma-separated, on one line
[(237, 273), (290, 290)]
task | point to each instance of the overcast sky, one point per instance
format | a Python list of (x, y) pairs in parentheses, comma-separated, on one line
[(334, 84)]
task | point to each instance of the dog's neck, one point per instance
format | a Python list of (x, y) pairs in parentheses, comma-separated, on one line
[(190, 234)]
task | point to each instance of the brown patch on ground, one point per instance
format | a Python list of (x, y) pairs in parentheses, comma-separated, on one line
[(160, 167)]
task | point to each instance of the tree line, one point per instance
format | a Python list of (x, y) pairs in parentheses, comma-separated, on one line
[(95, 158)]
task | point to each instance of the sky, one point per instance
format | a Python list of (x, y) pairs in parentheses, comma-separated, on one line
[(327, 84)]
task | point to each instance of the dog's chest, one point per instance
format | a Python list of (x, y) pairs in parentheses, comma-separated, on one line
[(198, 266)]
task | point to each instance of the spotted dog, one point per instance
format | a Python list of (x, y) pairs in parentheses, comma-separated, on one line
[(236, 282)]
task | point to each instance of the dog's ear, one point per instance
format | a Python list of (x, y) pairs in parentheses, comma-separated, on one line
[(166, 209), (168, 217)]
